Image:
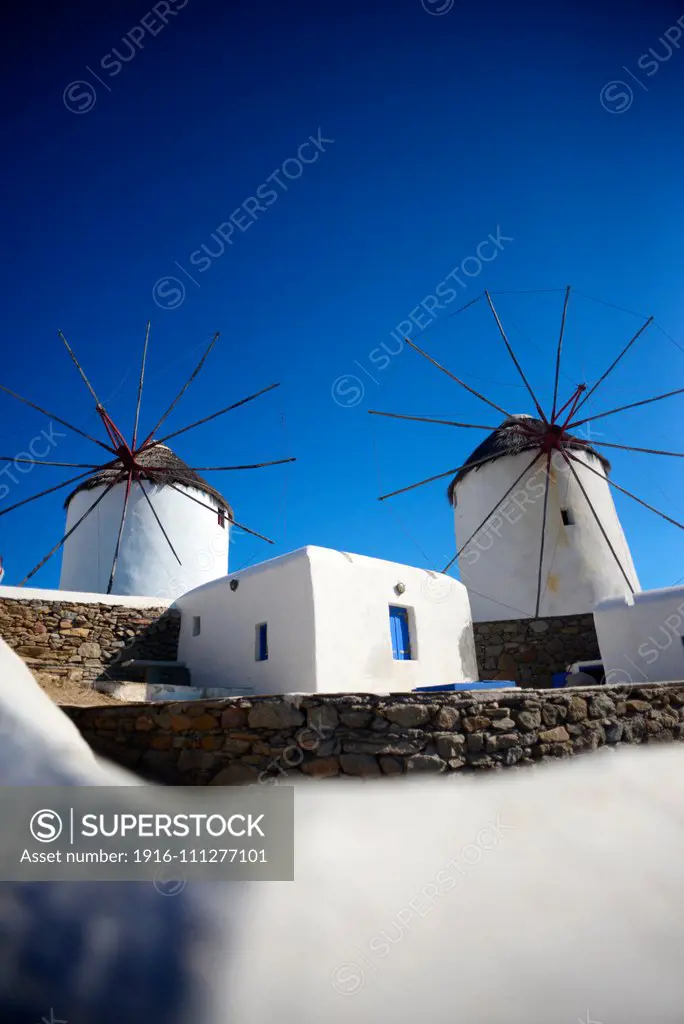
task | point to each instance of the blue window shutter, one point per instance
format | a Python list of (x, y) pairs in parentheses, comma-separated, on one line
[(399, 633)]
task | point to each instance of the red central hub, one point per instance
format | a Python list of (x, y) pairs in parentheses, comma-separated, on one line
[(550, 435), (127, 459)]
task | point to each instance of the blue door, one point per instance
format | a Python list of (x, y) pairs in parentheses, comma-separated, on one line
[(399, 632)]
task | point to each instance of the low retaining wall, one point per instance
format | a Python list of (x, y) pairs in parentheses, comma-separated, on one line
[(254, 740), (529, 651), (83, 641)]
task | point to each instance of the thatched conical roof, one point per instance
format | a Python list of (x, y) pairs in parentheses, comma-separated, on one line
[(169, 470), (511, 439)]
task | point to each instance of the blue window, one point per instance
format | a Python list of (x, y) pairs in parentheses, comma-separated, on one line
[(262, 642), (400, 634)]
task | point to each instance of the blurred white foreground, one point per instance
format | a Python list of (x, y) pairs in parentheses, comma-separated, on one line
[(541, 896)]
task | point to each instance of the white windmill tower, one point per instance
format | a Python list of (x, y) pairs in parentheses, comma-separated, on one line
[(585, 557), (537, 531), (192, 548), (143, 523)]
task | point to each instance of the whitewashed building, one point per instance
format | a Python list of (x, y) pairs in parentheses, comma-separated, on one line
[(640, 636), (318, 620), (194, 515), (500, 565)]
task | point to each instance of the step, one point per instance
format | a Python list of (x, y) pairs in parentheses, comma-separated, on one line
[(147, 693)]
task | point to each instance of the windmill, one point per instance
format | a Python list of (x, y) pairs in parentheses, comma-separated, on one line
[(119, 488), (568, 550)]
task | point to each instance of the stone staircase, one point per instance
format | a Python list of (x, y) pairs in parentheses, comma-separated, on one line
[(141, 681)]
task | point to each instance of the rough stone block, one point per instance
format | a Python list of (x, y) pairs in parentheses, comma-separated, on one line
[(359, 719), (360, 764), (447, 718), (233, 718), (235, 775), (638, 705), (425, 763), (528, 720), (275, 716), (600, 706), (323, 720), (558, 735), (450, 745), (407, 714), (391, 766), (577, 709), (322, 767), (476, 722)]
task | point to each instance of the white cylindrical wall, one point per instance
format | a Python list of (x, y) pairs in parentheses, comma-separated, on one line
[(146, 564), (501, 564)]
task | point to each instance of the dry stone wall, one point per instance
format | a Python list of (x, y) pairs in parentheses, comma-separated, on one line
[(250, 740), (529, 651), (84, 642)]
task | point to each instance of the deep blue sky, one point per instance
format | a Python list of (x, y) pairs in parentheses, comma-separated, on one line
[(446, 127)]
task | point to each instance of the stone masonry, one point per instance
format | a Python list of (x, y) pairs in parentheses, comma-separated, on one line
[(85, 642), (529, 651), (249, 740)]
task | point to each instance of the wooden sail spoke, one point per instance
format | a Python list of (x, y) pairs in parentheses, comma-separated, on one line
[(633, 448), (98, 403), (181, 392), (612, 366), (429, 419), (492, 511), (540, 411), (41, 494), (621, 408), (558, 354), (453, 376), (43, 462), (58, 419), (140, 387), (439, 476), (122, 523), (624, 490), (159, 522), (236, 405), (67, 534), (543, 533), (206, 469), (566, 455), (211, 508)]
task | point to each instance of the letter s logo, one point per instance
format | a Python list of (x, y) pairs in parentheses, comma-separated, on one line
[(45, 826)]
